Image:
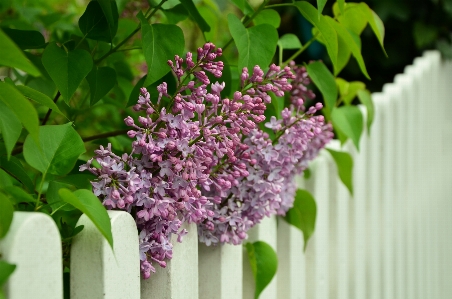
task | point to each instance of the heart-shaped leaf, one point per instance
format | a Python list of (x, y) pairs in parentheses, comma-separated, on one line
[(21, 107), (10, 128), (94, 24), (352, 41), (88, 203), (6, 270), (26, 39), (67, 69), (14, 167), (244, 6), (12, 56), (195, 15), (158, 48), (324, 80), (264, 263), (303, 214), (268, 16), (6, 215), (101, 80), (344, 163), (110, 10), (349, 120), (263, 37), (329, 36), (38, 97), (289, 41), (60, 146)]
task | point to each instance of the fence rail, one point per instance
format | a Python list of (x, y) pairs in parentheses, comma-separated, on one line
[(393, 239)]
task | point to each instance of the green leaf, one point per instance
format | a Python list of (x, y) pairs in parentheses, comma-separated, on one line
[(110, 10), (349, 90), (263, 37), (38, 97), (15, 168), (176, 14), (341, 5), (133, 98), (324, 81), (328, 33), (343, 54), (320, 6), (10, 128), (194, 14), (375, 23), (268, 16), (67, 69), (53, 197), (18, 195), (303, 214), (344, 163), (352, 41), (6, 215), (88, 203), (60, 146), (158, 48), (366, 99), (80, 181), (94, 24), (349, 120), (244, 6), (353, 19), (101, 80), (21, 107), (12, 56), (264, 263), (289, 41), (26, 39), (6, 270)]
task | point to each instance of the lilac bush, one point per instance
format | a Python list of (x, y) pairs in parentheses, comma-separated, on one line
[(201, 158)]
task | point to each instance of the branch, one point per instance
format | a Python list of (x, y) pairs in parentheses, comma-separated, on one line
[(105, 135), (46, 118)]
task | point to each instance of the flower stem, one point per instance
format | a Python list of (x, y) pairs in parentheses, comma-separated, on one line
[(301, 50)]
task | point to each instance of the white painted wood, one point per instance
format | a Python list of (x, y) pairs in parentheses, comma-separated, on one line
[(97, 271), (33, 244), (291, 258), (180, 277), (317, 251), (358, 203), (220, 271), (265, 231), (375, 156), (339, 234)]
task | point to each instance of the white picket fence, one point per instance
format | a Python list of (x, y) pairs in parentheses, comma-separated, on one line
[(393, 239)]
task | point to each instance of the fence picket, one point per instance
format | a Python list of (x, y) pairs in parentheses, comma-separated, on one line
[(180, 277), (220, 271), (317, 251), (99, 272), (33, 244)]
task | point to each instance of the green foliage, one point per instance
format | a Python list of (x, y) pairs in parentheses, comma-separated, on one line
[(263, 37), (194, 14), (349, 121), (158, 49), (101, 80), (94, 23), (67, 69), (15, 168), (26, 39), (268, 16), (344, 163), (6, 215), (89, 204), (12, 56), (38, 97), (6, 270), (264, 263), (22, 109), (303, 214), (324, 81), (58, 150)]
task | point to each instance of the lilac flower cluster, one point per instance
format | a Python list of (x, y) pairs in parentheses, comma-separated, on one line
[(202, 158)]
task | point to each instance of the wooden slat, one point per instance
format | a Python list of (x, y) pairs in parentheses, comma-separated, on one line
[(97, 271), (33, 244)]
